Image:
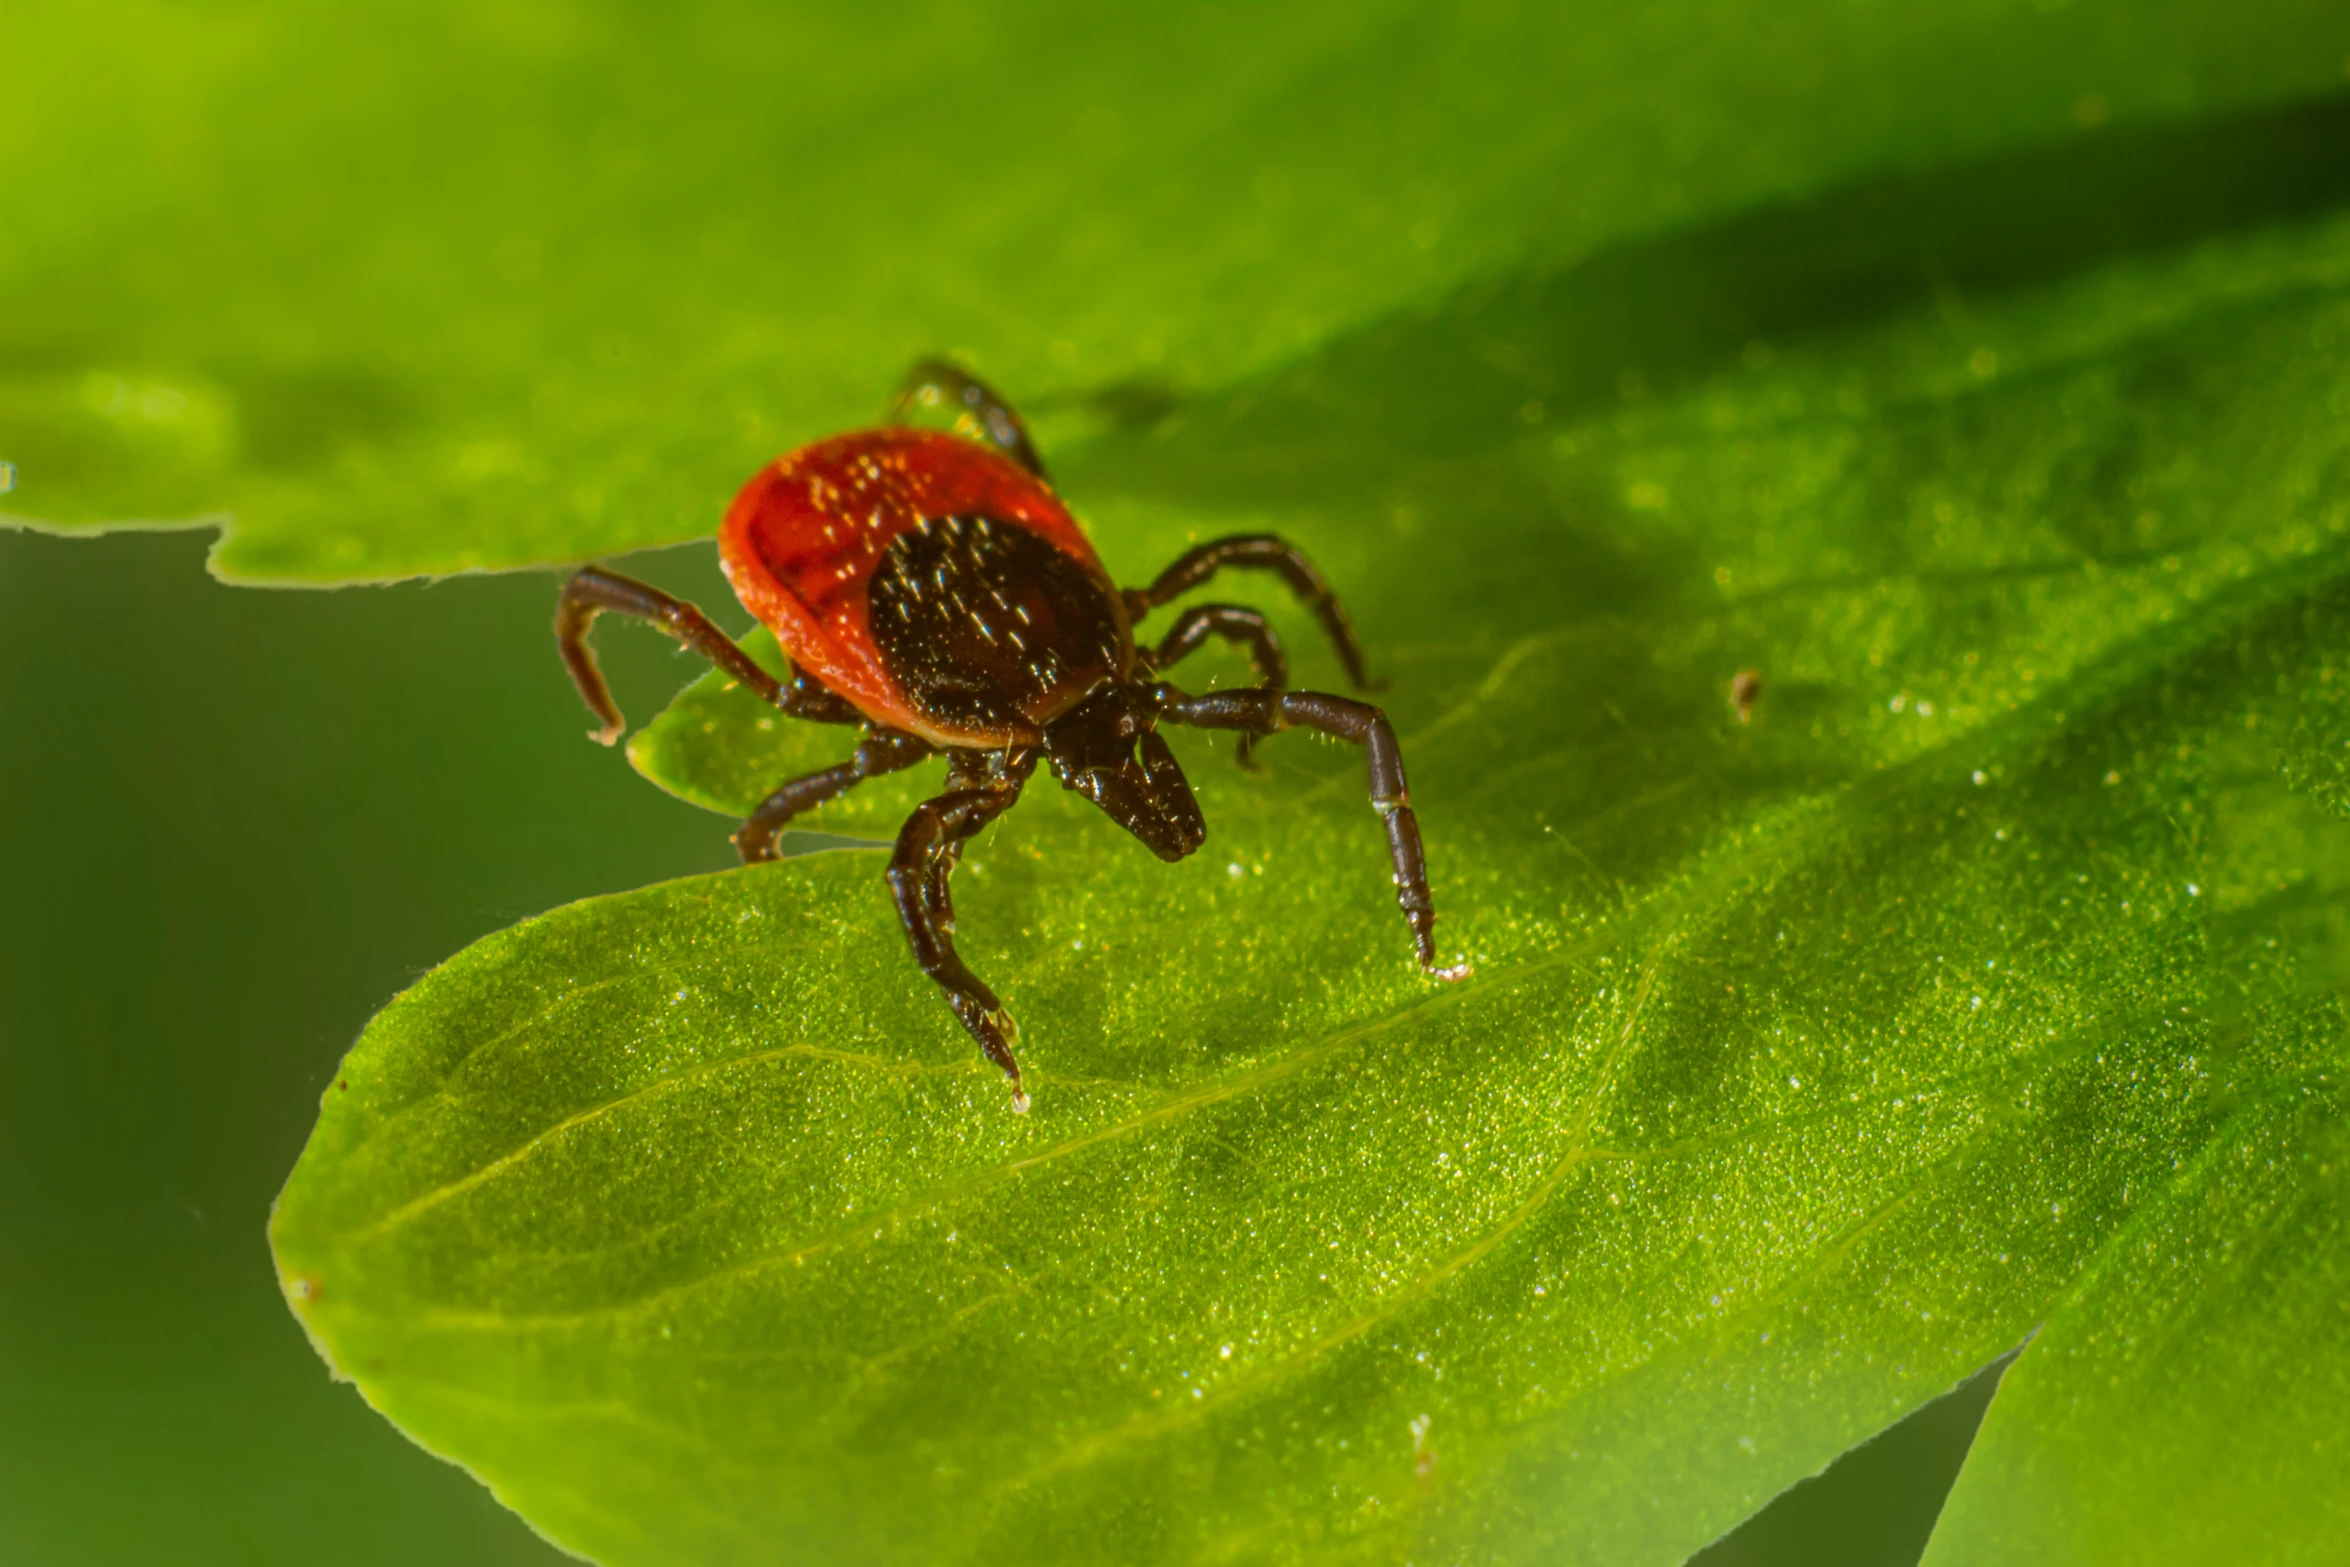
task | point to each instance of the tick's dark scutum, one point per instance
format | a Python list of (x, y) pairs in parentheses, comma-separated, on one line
[(987, 627)]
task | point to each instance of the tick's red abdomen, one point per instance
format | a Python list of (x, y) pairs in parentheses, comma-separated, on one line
[(803, 539)]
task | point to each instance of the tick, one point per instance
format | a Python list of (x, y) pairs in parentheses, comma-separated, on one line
[(932, 588)]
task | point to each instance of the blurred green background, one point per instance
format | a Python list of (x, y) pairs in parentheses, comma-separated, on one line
[(237, 823)]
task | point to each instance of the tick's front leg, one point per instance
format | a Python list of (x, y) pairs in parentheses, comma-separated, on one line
[(927, 849), (1241, 626), (1261, 552), (1269, 712)]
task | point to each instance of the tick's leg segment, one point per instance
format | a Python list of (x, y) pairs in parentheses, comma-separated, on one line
[(970, 770), (883, 751), (1262, 552), (1238, 625), (978, 411), (1269, 712), (592, 591), (929, 846)]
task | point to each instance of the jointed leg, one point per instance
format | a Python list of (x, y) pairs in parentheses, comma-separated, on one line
[(1236, 624), (934, 383), (929, 846), (1261, 551), (1002, 772), (883, 751), (1268, 712), (593, 590)]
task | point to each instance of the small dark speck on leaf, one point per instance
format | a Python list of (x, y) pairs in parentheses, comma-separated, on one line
[(1745, 691)]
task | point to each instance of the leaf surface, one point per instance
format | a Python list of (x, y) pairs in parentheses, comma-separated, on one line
[(2185, 1403), (1810, 1062), (407, 290)]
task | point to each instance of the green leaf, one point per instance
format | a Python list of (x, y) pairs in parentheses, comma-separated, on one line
[(422, 289), (2185, 1403), (1986, 983), (2187, 1406)]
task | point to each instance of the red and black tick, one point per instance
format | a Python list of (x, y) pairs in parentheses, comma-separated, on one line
[(932, 588)]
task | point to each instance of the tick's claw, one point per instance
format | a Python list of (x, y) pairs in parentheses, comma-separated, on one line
[(608, 735), (1458, 971), (1019, 1100)]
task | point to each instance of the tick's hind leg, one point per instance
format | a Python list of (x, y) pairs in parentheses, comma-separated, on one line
[(592, 591), (978, 411), (883, 751), (1269, 712), (1239, 625), (929, 846)]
